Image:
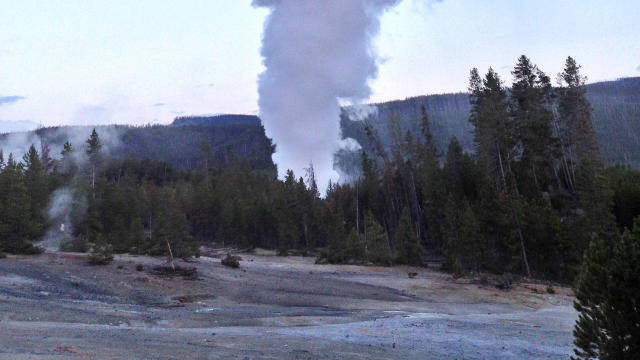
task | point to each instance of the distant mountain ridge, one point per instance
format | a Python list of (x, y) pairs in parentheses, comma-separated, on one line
[(616, 117), (222, 119)]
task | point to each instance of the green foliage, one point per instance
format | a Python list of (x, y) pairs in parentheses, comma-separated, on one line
[(607, 293), (407, 245), (376, 242), (550, 289), (18, 227), (76, 244), (231, 261), (352, 251), (101, 252), (525, 201), (615, 110), (464, 246), (625, 184)]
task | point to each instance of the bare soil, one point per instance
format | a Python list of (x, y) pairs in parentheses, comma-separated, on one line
[(57, 306)]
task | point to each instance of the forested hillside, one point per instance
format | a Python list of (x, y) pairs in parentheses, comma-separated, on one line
[(527, 201), (180, 144), (616, 118)]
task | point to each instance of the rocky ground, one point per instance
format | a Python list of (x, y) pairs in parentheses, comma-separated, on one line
[(56, 306)]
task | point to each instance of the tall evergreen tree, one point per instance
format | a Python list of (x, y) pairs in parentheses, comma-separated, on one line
[(37, 189), (496, 140), (17, 227), (407, 245), (532, 118), (608, 298), (376, 241), (95, 155)]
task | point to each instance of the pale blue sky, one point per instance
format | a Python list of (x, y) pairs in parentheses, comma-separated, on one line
[(145, 61)]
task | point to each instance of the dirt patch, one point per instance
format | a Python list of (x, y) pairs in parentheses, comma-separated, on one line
[(286, 308), (192, 298), (187, 273)]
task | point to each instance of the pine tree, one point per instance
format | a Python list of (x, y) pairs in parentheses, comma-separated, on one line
[(67, 164), (464, 247), (429, 190), (496, 140), (36, 184), (17, 226), (585, 173), (574, 111), (376, 241), (354, 247), (532, 119), (407, 245), (608, 298), (95, 156), (493, 130)]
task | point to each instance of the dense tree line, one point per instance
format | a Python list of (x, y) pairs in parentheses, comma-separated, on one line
[(528, 198), (616, 109), (526, 201)]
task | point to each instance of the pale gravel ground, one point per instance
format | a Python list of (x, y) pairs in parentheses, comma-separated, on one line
[(56, 307)]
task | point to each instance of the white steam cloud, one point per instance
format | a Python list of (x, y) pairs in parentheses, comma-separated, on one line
[(317, 54), (361, 112), (58, 213)]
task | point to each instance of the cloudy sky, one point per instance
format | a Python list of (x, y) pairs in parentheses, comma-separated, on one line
[(147, 61)]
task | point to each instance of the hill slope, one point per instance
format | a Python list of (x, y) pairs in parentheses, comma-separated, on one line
[(179, 144), (616, 117)]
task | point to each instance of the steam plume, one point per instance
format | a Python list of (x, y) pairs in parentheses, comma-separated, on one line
[(317, 54)]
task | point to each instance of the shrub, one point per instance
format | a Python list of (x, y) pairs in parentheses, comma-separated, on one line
[(2, 255), (231, 261), (79, 244), (408, 248), (139, 267), (101, 253), (457, 269), (550, 289), (505, 281)]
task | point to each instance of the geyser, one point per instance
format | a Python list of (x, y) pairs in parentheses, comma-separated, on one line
[(317, 54)]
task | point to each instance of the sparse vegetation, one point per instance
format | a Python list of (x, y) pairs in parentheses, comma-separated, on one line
[(101, 252), (77, 244), (550, 289), (139, 267), (231, 261), (169, 271)]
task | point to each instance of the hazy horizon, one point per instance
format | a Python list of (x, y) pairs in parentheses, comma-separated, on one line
[(80, 63)]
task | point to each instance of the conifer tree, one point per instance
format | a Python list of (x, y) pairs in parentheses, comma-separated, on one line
[(585, 169), (407, 245), (17, 227), (95, 156), (608, 298), (354, 247), (532, 119), (496, 140), (430, 186), (376, 241), (36, 185)]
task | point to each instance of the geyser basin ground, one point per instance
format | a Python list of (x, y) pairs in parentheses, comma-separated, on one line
[(55, 306)]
